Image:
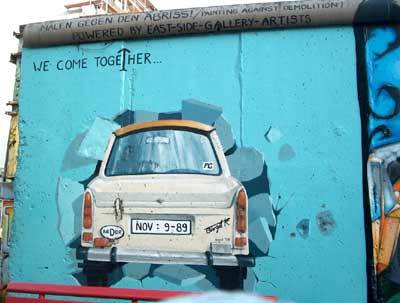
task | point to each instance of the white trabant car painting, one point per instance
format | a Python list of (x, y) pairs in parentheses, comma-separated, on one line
[(164, 195)]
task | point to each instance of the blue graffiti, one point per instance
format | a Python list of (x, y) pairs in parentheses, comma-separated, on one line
[(383, 68)]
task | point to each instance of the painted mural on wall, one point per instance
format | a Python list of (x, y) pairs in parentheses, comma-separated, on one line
[(235, 161), (264, 202), (379, 80), (166, 191)]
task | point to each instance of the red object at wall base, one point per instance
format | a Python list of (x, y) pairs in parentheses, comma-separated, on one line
[(81, 292)]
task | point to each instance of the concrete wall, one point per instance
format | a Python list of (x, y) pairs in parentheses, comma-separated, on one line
[(290, 99)]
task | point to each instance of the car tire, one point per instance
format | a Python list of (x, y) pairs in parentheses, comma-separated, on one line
[(231, 277), (96, 273)]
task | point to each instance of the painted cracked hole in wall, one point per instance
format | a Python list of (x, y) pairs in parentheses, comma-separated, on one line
[(246, 164)]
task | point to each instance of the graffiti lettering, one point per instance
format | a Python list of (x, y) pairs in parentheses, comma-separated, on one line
[(123, 60), (95, 21), (128, 18), (217, 226), (196, 20), (55, 26), (166, 15), (98, 34), (263, 9), (230, 24), (72, 64), (286, 20), (41, 66), (135, 30), (167, 28), (220, 12), (312, 6)]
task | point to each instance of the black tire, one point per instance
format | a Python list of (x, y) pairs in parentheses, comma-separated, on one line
[(96, 273), (231, 277)]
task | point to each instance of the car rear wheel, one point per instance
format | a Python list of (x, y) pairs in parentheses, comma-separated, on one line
[(96, 273), (231, 277)]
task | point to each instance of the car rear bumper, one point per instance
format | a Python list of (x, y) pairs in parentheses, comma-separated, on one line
[(120, 255)]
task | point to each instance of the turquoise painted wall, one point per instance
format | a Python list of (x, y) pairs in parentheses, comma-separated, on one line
[(299, 83)]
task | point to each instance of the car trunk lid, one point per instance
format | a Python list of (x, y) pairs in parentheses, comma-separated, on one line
[(159, 191)]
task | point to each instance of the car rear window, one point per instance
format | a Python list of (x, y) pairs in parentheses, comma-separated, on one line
[(164, 151)]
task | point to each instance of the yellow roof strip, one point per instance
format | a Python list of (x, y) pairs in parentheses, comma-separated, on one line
[(163, 124)]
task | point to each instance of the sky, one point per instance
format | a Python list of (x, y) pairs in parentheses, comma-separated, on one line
[(19, 12)]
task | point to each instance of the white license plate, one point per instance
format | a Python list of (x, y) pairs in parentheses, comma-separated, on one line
[(161, 227)]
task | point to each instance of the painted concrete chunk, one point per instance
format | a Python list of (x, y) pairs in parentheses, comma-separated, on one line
[(286, 153), (260, 234), (179, 274), (246, 163), (68, 191), (158, 283), (128, 282), (249, 285), (303, 228), (273, 135), (144, 116), (205, 285), (125, 117), (136, 270), (200, 111), (326, 222), (177, 115), (73, 161), (261, 206), (95, 141), (225, 133)]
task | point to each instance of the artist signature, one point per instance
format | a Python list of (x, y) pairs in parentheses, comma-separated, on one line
[(215, 227)]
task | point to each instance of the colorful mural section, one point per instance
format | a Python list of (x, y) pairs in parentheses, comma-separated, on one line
[(285, 110), (379, 82), (6, 218)]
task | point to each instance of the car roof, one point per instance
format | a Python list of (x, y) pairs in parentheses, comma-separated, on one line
[(188, 124)]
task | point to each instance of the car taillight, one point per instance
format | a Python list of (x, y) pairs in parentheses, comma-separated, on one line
[(241, 204), (240, 241), (241, 219), (87, 210), (87, 237)]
